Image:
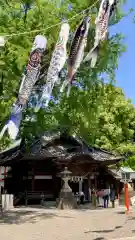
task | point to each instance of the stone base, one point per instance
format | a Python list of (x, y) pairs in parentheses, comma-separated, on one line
[(66, 202)]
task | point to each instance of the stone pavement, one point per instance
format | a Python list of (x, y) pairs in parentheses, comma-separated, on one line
[(52, 224)]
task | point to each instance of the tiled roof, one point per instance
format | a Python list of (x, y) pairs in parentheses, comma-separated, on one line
[(117, 175), (59, 146)]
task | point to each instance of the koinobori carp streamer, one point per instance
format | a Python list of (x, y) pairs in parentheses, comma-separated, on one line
[(76, 52), (101, 32), (58, 60), (28, 81)]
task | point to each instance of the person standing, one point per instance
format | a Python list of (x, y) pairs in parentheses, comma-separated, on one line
[(94, 197), (106, 197), (100, 194), (112, 196), (82, 197)]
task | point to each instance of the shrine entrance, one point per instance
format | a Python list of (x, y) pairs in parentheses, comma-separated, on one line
[(79, 184)]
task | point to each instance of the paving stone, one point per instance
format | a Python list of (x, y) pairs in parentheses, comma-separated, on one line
[(38, 223)]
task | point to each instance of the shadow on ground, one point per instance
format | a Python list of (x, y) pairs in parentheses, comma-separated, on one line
[(52, 206), (121, 212), (88, 206), (38, 206), (105, 230), (24, 216), (99, 238), (131, 218)]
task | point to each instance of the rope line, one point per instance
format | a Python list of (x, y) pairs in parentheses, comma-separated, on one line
[(52, 26)]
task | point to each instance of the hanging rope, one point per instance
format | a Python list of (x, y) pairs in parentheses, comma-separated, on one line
[(52, 26)]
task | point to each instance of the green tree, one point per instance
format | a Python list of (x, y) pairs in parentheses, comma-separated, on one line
[(75, 111), (112, 125), (116, 121)]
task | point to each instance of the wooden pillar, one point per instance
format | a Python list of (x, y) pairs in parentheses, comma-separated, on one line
[(80, 185), (55, 185), (126, 197), (117, 189), (33, 178), (4, 177), (95, 177), (89, 186), (5, 172)]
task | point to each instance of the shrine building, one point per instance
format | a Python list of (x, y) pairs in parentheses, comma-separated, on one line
[(35, 170)]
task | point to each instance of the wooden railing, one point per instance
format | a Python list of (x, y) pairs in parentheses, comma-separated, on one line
[(37, 195)]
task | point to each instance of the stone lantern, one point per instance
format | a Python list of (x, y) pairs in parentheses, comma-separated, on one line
[(66, 199), (126, 174)]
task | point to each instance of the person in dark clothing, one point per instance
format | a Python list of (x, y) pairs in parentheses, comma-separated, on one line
[(106, 197), (2, 189), (106, 201), (112, 196), (82, 197)]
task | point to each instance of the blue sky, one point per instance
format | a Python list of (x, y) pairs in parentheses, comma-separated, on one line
[(125, 74)]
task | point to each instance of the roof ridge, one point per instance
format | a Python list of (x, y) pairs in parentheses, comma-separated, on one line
[(96, 148)]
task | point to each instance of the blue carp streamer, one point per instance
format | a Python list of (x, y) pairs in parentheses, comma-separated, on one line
[(58, 60), (28, 81)]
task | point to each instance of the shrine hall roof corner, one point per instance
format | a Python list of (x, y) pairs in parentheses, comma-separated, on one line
[(59, 145), (116, 173), (100, 154)]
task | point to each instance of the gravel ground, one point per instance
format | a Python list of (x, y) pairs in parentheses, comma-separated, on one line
[(51, 224)]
